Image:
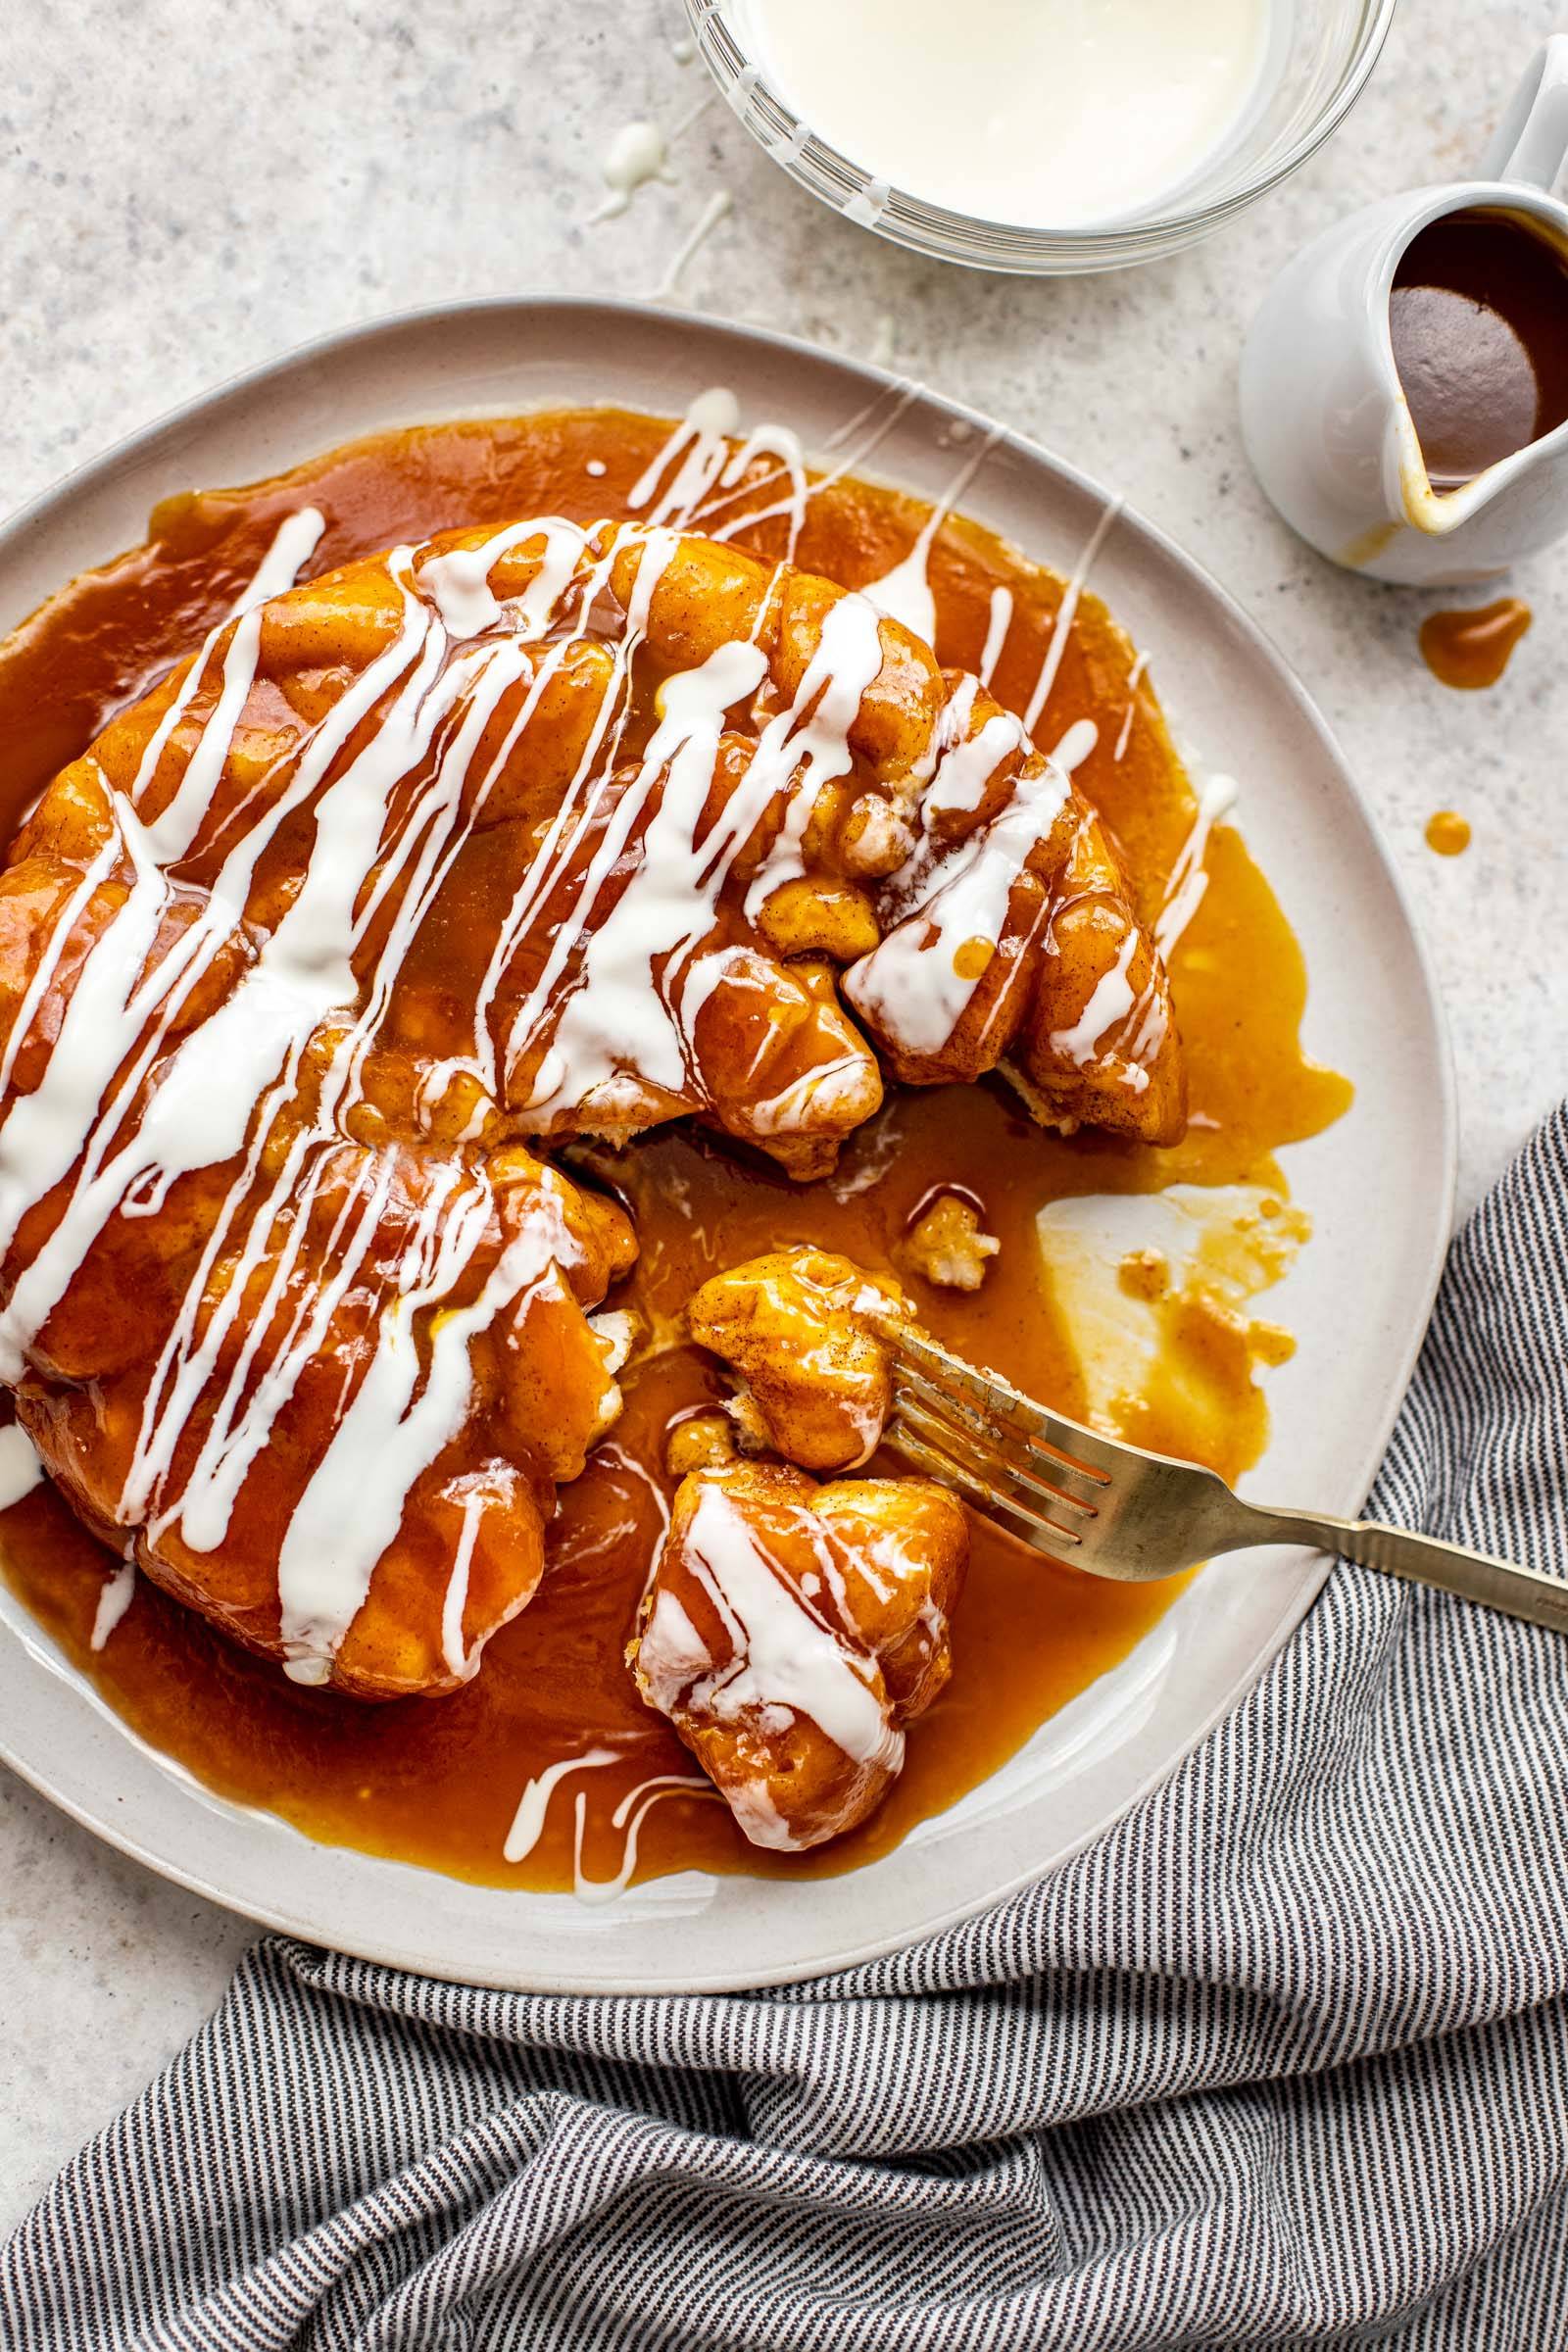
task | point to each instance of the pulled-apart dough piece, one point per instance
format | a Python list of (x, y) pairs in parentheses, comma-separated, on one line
[(790, 1630), (801, 1328)]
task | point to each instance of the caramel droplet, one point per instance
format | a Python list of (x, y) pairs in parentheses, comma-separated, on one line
[(1470, 650), (1448, 833)]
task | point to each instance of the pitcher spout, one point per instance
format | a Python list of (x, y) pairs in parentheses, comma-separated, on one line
[(1415, 503)]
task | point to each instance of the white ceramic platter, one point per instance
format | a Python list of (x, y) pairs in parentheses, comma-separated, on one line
[(1378, 1186)]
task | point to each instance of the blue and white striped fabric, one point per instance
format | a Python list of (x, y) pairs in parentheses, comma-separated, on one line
[(1282, 2059)]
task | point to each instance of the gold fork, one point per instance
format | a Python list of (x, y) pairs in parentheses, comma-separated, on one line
[(1119, 1511)]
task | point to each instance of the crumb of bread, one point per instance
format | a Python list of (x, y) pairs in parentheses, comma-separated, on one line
[(703, 1442), (948, 1246), (806, 917), (1145, 1274)]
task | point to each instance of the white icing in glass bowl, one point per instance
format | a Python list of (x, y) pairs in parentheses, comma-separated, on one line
[(1320, 54)]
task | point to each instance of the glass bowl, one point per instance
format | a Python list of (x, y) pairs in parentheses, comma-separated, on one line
[(1321, 52)]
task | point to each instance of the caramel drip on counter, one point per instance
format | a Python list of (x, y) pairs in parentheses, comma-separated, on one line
[(1472, 649), (438, 1781), (1448, 833)]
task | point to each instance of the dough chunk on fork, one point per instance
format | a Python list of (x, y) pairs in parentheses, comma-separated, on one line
[(801, 1329)]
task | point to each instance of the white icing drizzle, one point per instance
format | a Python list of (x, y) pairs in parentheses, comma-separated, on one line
[(764, 441), (966, 762), (1134, 680), (860, 436), (295, 542), (628, 1817), (614, 1019), (918, 984), (784, 1651), (344, 1521), (1188, 876), (641, 1476), (20, 1467), (1067, 613), (460, 581), (636, 980), (639, 153), (809, 742), (999, 622), (533, 1809), (1113, 1006), (120, 1591), (700, 445), (708, 219), (752, 1804), (533, 1806), (1072, 749), (905, 592), (1111, 1000), (457, 1593)]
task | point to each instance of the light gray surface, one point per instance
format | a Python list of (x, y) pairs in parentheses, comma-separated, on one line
[(187, 190)]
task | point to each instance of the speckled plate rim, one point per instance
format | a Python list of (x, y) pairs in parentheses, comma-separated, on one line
[(1380, 1185)]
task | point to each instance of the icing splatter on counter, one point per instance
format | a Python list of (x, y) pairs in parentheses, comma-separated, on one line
[(440, 1779)]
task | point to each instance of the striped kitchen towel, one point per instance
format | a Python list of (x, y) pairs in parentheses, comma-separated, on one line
[(1282, 2059)]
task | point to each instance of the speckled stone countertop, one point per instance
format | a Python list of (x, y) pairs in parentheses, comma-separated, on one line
[(188, 190)]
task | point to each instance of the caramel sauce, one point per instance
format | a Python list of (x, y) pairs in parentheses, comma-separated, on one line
[(437, 1781), (1472, 649), (1448, 833), (1479, 319)]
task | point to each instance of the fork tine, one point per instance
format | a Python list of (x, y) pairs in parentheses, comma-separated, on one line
[(987, 1458), (988, 1394), (1067, 1481), (970, 1405), (989, 1501)]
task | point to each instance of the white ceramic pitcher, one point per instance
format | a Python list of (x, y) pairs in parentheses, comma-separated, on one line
[(1323, 415)]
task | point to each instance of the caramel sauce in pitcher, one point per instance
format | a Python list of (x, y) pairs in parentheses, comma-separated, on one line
[(1479, 320), (438, 1781)]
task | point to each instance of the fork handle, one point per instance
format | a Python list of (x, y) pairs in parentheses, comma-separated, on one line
[(1421, 1560)]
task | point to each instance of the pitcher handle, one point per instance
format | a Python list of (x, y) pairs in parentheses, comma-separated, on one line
[(1531, 141)]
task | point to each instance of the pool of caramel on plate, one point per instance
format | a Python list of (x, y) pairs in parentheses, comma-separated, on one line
[(437, 1781)]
